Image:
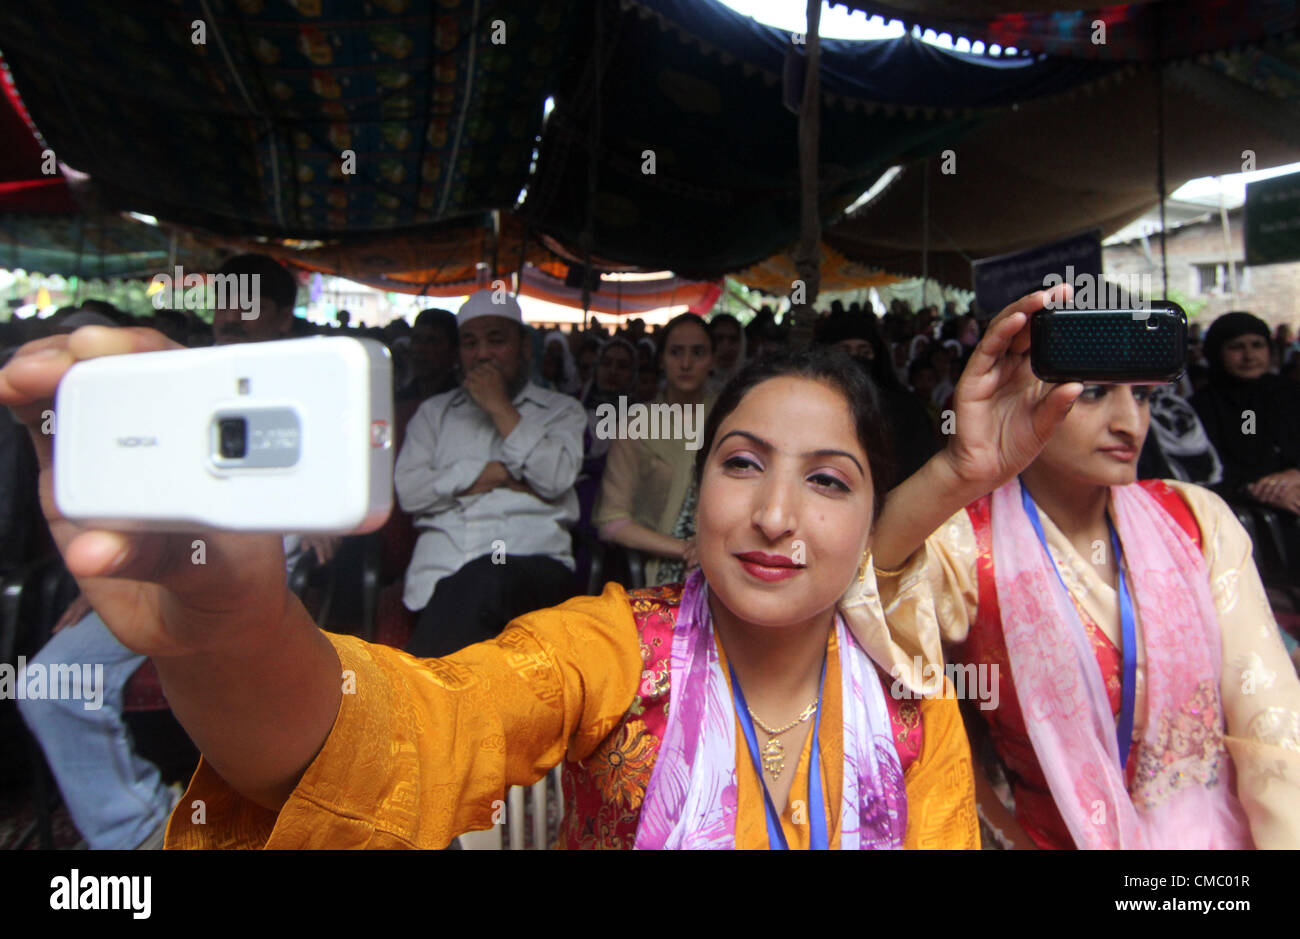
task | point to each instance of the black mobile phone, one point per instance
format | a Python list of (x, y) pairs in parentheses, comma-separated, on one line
[(1109, 346)]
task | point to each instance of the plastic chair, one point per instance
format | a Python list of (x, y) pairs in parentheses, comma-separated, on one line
[(354, 573), (635, 569), (371, 583), (307, 572), (582, 538), (1265, 528)]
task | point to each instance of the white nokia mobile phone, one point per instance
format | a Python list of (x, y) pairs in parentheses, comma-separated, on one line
[(293, 435)]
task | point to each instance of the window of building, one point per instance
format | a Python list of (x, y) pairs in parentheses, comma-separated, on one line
[(1211, 278)]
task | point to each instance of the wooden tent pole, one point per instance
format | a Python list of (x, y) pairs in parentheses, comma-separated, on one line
[(925, 230), (589, 228), (808, 258), (523, 258), (1160, 144), (81, 248), (1160, 174)]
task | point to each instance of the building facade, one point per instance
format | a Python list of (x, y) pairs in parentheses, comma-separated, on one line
[(1198, 257)]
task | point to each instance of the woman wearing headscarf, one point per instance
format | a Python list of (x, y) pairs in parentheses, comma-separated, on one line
[(558, 368), (614, 377), (911, 429), (918, 348), (728, 349), (946, 356), (1251, 416), (1177, 446)]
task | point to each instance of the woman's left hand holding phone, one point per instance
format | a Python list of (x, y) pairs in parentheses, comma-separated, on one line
[(1003, 416)]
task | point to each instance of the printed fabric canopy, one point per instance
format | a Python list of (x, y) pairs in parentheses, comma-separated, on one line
[(240, 116), (776, 274), (244, 117), (390, 130)]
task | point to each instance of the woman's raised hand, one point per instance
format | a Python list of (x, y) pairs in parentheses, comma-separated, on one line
[(160, 594), (1003, 413)]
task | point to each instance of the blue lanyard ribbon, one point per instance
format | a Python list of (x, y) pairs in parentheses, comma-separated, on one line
[(1128, 690), (776, 840)]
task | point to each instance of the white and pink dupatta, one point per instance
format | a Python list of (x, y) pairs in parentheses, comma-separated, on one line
[(692, 799), (1182, 791)]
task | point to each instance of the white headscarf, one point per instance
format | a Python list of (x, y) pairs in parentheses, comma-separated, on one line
[(569, 382)]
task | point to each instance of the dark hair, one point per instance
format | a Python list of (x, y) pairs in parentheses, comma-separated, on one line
[(620, 342), (721, 319), (174, 318), (104, 308), (274, 281), (859, 325), (443, 320), (831, 367), (919, 365), (681, 319), (844, 324)]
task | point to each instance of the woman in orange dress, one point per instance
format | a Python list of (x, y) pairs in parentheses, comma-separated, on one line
[(318, 740)]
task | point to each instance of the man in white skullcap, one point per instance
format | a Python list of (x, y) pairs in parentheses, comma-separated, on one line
[(487, 470)]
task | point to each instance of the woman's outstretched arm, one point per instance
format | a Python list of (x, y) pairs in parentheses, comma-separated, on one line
[(246, 671), (253, 681), (259, 711), (423, 750), (1004, 416)]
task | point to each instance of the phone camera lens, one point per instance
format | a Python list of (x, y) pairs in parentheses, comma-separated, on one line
[(233, 438)]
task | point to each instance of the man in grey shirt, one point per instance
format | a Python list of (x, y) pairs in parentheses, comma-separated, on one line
[(487, 471)]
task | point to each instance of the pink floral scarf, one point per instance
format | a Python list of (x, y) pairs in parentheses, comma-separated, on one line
[(1182, 791)]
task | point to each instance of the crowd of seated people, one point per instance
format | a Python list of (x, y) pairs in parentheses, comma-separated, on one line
[(507, 491)]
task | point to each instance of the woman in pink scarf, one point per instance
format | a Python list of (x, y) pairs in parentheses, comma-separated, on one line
[(1142, 696)]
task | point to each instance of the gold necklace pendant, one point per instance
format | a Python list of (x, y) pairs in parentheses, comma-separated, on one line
[(773, 753), (773, 757)]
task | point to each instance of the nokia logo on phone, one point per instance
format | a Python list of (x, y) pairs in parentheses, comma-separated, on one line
[(137, 441)]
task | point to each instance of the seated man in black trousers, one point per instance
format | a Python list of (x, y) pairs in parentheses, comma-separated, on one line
[(487, 471)]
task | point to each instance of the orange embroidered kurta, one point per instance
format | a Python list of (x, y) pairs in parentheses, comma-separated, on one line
[(424, 749), (936, 818)]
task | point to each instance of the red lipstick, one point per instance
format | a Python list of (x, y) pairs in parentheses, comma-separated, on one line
[(768, 567)]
